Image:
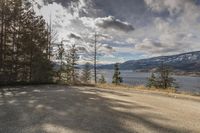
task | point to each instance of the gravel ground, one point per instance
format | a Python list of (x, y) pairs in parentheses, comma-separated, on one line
[(61, 109)]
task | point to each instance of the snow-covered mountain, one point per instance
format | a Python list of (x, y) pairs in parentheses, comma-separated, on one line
[(182, 62)]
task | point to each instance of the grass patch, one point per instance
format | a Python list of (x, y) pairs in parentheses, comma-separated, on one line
[(172, 91), (129, 87)]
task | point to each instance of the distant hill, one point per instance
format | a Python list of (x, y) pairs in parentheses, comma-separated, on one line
[(188, 62)]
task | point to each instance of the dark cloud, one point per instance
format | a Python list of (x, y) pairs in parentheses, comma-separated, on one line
[(161, 48), (129, 10), (109, 47), (62, 2), (111, 22), (83, 49), (75, 36), (170, 25)]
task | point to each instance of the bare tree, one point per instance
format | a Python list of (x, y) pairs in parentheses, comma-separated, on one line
[(95, 57), (96, 47)]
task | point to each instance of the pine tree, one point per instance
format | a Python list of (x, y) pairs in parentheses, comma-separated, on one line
[(152, 81), (68, 69), (86, 73), (23, 43), (165, 80), (116, 77), (2, 24), (68, 64), (102, 79), (61, 55), (74, 59)]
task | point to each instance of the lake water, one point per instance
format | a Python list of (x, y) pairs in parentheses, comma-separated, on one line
[(185, 83)]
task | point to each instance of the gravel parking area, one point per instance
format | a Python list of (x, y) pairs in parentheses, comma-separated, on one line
[(61, 109)]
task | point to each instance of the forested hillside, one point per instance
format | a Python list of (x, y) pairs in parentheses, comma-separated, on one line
[(187, 62)]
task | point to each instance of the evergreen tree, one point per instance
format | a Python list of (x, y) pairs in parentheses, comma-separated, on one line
[(74, 59), (68, 69), (102, 79), (23, 44), (152, 81), (86, 73), (68, 64), (60, 56), (163, 79), (116, 77)]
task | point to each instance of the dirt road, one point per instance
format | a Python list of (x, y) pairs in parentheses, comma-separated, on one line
[(60, 109)]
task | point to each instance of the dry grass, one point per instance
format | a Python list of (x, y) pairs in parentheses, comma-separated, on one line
[(141, 87), (167, 92)]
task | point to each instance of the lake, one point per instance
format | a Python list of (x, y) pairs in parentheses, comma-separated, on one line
[(185, 83)]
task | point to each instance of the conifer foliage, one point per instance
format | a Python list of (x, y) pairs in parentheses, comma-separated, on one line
[(86, 73), (162, 79), (116, 77), (102, 80), (152, 81), (67, 71), (24, 44)]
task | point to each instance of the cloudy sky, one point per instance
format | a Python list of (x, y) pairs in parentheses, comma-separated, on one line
[(127, 29)]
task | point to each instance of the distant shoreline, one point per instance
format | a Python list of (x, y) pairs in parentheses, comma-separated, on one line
[(175, 73)]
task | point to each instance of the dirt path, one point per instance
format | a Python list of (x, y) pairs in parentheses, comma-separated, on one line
[(60, 109)]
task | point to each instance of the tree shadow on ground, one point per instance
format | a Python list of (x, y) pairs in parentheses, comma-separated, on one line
[(61, 109)]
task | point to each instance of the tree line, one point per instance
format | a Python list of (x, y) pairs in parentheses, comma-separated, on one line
[(26, 48), (25, 45)]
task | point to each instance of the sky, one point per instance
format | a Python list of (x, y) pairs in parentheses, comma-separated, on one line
[(126, 29)]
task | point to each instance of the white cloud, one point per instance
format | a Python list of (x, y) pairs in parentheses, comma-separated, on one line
[(111, 22), (166, 27)]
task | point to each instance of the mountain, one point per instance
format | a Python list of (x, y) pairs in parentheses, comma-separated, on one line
[(187, 62)]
